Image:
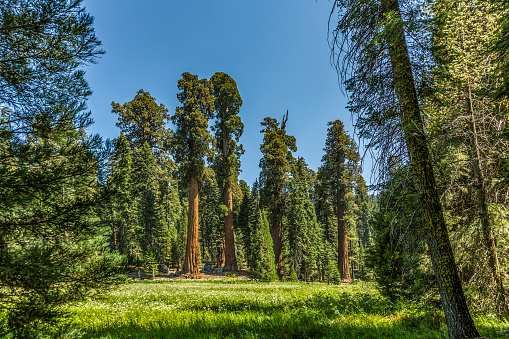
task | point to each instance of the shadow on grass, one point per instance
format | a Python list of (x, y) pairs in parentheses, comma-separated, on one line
[(319, 316)]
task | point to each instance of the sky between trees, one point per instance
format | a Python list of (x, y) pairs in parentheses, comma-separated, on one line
[(277, 52)]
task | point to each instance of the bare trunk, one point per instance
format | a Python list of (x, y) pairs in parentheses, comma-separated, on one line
[(230, 263), (343, 261), (458, 319), (489, 239), (192, 258)]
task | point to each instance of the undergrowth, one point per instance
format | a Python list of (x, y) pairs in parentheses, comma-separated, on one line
[(245, 309)]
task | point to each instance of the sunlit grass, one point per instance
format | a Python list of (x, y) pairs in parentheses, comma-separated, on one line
[(242, 309)]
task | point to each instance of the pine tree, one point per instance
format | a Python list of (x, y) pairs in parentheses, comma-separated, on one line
[(150, 224), (120, 211), (50, 235), (301, 225), (263, 263), (191, 143), (228, 129)]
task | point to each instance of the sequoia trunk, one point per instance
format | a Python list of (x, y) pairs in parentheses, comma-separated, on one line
[(192, 258), (459, 321), (230, 263)]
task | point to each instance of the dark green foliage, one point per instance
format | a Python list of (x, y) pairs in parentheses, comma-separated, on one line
[(397, 255), (247, 222), (153, 192), (191, 139), (275, 164), (150, 225), (51, 242), (144, 121), (324, 207), (120, 210), (262, 262), (211, 225), (328, 264), (228, 128), (300, 224)]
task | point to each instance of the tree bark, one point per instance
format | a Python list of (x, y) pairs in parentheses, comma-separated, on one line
[(192, 258), (482, 201), (343, 261), (230, 256), (458, 319)]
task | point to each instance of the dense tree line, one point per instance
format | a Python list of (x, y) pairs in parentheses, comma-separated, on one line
[(150, 207)]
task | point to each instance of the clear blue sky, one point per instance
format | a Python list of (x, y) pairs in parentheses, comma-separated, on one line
[(276, 51)]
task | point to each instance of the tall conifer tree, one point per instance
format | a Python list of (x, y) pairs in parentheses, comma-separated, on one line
[(376, 66), (191, 144), (51, 241), (228, 128), (275, 165), (340, 167)]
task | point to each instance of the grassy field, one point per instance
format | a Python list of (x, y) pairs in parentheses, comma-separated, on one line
[(244, 309)]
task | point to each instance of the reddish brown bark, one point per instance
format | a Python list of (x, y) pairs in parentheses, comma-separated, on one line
[(230, 263), (343, 261), (192, 258)]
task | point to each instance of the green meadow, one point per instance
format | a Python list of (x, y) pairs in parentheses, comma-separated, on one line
[(246, 309)]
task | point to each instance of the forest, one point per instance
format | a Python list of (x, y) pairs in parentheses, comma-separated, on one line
[(85, 220)]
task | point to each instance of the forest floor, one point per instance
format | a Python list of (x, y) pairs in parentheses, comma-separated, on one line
[(241, 308), (147, 275)]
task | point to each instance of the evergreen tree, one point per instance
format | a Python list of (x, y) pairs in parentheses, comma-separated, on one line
[(211, 227), (50, 237), (372, 42), (150, 226), (340, 168), (263, 263), (301, 225), (228, 129), (242, 220), (466, 81), (144, 121), (324, 207), (120, 210), (275, 166), (191, 144)]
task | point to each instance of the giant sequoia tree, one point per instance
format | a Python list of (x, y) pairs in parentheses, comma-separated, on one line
[(340, 167), (51, 243), (228, 129), (275, 165), (376, 64), (191, 144)]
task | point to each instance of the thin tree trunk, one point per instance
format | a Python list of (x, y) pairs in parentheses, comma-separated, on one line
[(343, 261), (489, 239), (458, 319), (230, 263), (192, 258)]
